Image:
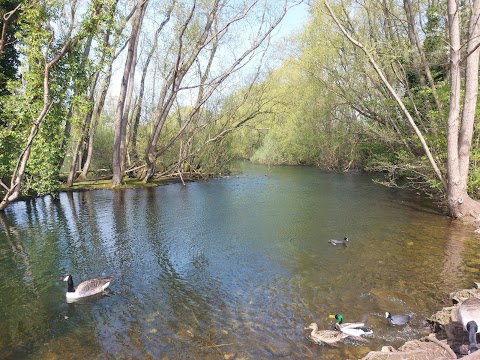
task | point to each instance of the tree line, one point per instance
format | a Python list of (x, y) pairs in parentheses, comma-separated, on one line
[(388, 86), (57, 63)]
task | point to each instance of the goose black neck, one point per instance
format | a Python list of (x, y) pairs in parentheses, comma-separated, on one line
[(472, 329), (70, 285)]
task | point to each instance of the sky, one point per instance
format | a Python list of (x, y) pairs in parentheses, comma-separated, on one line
[(296, 18)]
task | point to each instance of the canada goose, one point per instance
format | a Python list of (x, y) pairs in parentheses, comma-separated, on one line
[(339, 242), (353, 329), (87, 287), (397, 319), (469, 315), (325, 336)]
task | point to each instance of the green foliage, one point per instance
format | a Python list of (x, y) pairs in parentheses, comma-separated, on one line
[(102, 147), (10, 60), (42, 31)]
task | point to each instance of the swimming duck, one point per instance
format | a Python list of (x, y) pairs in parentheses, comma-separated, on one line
[(325, 336), (87, 287), (339, 242), (397, 319), (353, 329), (469, 316)]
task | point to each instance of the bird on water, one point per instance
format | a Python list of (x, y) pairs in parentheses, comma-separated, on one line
[(397, 319), (339, 242), (86, 288), (330, 337), (353, 329)]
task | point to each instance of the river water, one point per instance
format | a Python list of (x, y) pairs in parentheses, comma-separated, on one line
[(230, 268)]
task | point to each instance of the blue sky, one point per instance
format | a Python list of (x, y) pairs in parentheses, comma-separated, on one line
[(295, 19)]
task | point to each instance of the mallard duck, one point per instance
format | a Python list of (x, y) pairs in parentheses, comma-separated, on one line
[(87, 287), (339, 242), (325, 336), (397, 319), (353, 329), (469, 316)]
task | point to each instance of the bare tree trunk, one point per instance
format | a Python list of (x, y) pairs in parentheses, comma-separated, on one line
[(471, 94), (458, 145), (454, 192), (167, 95), (97, 110), (138, 107), (100, 101), (119, 150), (412, 36)]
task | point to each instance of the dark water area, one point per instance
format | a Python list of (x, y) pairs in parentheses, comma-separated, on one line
[(230, 268)]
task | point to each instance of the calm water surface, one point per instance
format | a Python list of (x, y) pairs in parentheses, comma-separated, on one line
[(230, 268)]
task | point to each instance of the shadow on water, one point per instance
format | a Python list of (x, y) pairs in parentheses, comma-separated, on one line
[(231, 268)]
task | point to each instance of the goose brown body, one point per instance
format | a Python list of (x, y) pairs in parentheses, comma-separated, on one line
[(86, 288), (325, 336)]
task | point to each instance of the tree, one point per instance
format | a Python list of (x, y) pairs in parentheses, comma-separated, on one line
[(459, 134), (199, 44), (49, 61), (121, 116), (37, 112), (90, 99), (9, 11)]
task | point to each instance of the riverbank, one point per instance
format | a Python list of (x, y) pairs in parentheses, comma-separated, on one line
[(129, 183)]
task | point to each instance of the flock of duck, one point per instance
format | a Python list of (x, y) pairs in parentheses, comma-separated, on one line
[(344, 330), (468, 312)]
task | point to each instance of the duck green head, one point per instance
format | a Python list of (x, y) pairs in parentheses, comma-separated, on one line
[(338, 317)]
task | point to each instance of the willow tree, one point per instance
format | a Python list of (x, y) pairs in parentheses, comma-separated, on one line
[(202, 58), (460, 118)]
